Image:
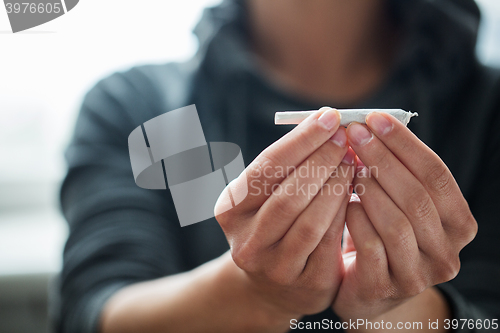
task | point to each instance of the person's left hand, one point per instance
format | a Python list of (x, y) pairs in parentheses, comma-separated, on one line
[(409, 226)]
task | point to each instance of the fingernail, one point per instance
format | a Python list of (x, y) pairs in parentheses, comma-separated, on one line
[(329, 119), (359, 135), (379, 123), (339, 138), (349, 157)]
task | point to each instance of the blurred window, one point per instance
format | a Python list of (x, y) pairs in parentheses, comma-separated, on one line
[(44, 74)]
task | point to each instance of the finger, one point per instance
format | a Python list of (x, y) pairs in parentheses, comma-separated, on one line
[(291, 197), (426, 165), (325, 262), (278, 160), (392, 226), (371, 264), (310, 228), (400, 185)]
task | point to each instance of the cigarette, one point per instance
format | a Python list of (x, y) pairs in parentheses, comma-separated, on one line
[(347, 116)]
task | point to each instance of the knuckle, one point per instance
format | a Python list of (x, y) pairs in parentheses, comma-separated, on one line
[(472, 229), (233, 220), (327, 158), (405, 143), (225, 218), (467, 228), (259, 168), (439, 180), (400, 233), (373, 248), (227, 226), (420, 206), (305, 142), (245, 257), (286, 205), (381, 159), (308, 232), (448, 268), (329, 239), (222, 219)]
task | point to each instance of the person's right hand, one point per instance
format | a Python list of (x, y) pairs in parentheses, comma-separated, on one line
[(288, 241)]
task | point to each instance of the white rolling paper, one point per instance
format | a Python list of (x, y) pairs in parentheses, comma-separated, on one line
[(347, 116)]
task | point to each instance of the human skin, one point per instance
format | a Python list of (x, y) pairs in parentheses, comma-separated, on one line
[(280, 267), (407, 238), (288, 242), (286, 257), (324, 50), (286, 260)]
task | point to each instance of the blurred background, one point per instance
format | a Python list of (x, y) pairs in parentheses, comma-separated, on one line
[(44, 74)]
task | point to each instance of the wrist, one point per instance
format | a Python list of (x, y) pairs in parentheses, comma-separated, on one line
[(265, 313), (426, 307)]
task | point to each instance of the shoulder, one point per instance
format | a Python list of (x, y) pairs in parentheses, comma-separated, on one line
[(141, 92), (121, 102)]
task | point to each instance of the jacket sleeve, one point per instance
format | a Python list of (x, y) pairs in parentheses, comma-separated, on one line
[(119, 233)]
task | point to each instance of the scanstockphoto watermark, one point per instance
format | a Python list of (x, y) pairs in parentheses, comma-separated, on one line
[(365, 324), (171, 151), (262, 181), (328, 324)]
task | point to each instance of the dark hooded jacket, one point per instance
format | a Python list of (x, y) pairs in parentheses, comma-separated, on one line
[(121, 234)]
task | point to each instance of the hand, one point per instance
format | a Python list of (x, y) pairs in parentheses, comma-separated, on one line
[(287, 241), (408, 227)]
